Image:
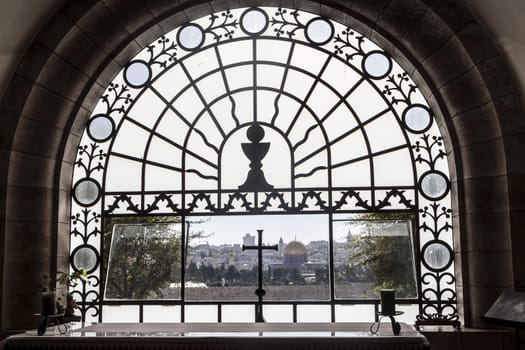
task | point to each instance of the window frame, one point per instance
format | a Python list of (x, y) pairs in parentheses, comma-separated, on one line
[(90, 153)]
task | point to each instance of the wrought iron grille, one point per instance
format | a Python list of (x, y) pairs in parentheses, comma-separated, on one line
[(260, 111)]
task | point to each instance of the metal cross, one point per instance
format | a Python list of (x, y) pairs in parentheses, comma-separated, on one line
[(260, 292)]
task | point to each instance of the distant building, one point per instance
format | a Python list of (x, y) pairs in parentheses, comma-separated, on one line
[(248, 239), (296, 258)]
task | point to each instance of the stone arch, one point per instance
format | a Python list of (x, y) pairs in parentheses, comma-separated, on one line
[(77, 53)]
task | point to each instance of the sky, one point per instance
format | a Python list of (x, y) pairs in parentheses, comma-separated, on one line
[(230, 229)]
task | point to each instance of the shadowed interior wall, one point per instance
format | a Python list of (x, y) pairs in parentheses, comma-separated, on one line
[(63, 73)]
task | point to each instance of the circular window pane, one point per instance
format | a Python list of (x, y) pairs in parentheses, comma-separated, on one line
[(377, 64), (417, 118), (319, 31), (85, 258), (190, 37), (86, 192), (254, 21), (437, 256), (137, 73), (434, 185), (100, 127)]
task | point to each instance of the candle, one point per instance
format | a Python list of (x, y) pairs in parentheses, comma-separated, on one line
[(388, 302)]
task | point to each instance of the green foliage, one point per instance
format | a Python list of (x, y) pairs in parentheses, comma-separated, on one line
[(145, 256), (386, 260)]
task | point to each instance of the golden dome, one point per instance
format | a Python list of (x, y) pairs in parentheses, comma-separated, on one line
[(295, 248)]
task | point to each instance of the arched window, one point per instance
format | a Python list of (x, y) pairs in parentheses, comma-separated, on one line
[(265, 119)]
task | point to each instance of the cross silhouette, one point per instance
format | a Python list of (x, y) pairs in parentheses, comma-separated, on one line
[(260, 292)]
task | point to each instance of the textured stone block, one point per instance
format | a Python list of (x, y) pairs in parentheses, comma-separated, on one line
[(516, 191), (133, 15), (15, 96), (79, 123), (108, 74), (336, 11), (517, 222), (64, 205), (510, 115), (496, 76), (485, 194), (173, 21), (37, 138), (48, 107), (103, 28), (477, 125), (55, 30), (515, 157), (400, 16), (487, 231), (465, 93), (31, 64), (308, 6), (78, 49), (62, 77), (70, 152), (368, 10), (447, 62), (152, 34), (160, 7), (13, 302), (222, 5), (91, 98), (197, 11), (29, 204), (29, 240), (491, 269), (127, 53), (453, 12), (518, 263), (9, 122), (484, 159), (30, 170), (474, 40), (75, 10), (63, 233), (66, 176), (431, 34)]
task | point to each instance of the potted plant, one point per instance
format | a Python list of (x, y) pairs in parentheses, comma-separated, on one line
[(48, 297), (50, 303), (70, 281)]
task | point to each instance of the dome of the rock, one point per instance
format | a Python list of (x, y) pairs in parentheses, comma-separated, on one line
[(295, 253)]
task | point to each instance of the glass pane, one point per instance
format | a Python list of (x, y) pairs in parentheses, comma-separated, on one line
[(120, 313), (409, 313), (313, 313), (372, 252), (278, 313), (161, 313), (218, 268), (200, 313), (144, 258), (238, 313), (354, 313)]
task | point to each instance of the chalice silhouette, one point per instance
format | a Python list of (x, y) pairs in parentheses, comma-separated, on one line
[(255, 151)]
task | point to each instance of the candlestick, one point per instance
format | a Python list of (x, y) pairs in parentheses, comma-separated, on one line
[(388, 302)]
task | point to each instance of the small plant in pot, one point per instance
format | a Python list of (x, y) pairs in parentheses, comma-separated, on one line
[(50, 303), (70, 281), (48, 297)]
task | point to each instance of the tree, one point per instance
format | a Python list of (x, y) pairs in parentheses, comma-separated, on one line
[(145, 256), (382, 256)]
